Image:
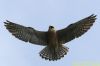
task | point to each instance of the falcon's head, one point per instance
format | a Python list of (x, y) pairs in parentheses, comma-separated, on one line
[(51, 28)]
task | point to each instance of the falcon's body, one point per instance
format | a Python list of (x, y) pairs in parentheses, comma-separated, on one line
[(52, 39), (54, 50)]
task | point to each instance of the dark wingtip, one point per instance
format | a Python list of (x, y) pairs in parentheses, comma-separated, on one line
[(93, 15), (7, 22)]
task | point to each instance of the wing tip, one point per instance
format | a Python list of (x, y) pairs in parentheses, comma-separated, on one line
[(7, 22), (93, 16)]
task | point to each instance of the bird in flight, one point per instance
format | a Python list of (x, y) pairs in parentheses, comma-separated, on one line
[(52, 39)]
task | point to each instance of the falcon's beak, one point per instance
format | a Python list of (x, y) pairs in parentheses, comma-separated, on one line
[(51, 28)]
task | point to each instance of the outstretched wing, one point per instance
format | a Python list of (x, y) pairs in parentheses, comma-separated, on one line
[(26, 34), (75, 30)]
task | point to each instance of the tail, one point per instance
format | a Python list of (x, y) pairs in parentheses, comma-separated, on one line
[(51, 54)]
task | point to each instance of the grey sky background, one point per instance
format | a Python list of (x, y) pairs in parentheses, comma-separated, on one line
[(39, 14)]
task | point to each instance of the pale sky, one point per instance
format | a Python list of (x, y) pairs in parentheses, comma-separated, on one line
[(39, 14)]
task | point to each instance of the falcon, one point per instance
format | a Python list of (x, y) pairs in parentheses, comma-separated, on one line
[(52, 39)]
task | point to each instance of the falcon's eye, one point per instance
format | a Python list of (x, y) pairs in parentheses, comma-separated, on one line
[(51, 27)]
